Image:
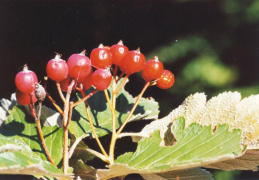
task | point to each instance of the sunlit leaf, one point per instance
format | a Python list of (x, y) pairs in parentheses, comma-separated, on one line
[(195, 146), (20, 124), (17, 157)]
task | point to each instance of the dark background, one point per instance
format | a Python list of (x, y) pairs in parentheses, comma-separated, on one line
[(211, 45)]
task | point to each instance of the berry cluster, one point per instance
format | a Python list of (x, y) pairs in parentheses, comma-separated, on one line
[(80, 72), (102, 59)]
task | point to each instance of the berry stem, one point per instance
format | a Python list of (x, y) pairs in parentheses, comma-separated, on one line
[(131, 134), (133, 108), (121, 84), (69, 113), (50, 98), (108, 99), (99, 155), (55, 104), (65, 127), (37, 120), (114, 135), (119, 78), (92, 125), (60, 92), (73, 147), (86, 97), (115, 70)]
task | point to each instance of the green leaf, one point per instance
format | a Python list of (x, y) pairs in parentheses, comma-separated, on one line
[(20, 125), (188, 174), (101, 113), (17, 157), (195, 146)]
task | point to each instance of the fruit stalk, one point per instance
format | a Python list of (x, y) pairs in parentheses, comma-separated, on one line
[(133, 108), (37, 120), (112, 107), (92, 125), (65, 127)]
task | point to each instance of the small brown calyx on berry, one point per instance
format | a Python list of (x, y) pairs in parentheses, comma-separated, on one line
[(153, 82), (120, 42), (138, 50), (83, 53), (156, 59), (58, 56), (25, 67), (40, 92), (101, 46)]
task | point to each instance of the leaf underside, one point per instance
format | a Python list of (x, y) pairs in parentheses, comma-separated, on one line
[(226, 108), (249, 161), (187, 174)]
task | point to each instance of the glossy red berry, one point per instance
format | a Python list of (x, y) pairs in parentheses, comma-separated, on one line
[(65, 83), (101, 57), (57, 69), (166, 80), (25, 98), (25, 80), (101, 79), (79, 66), (132, 62), (152, 69), (87, 81), (118, 51)]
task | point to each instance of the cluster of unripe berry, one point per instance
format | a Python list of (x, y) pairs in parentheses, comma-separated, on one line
[(102, 59)]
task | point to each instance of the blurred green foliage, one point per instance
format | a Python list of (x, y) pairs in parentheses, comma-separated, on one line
[(225, 175), (204, 69), (204, 65), (239, 11), (201, 58)]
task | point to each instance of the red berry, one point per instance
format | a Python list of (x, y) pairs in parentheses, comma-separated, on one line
[(57, 69), (25, 98), (101, 79), (118, 51), (65, 83), (87, 81), (166, 80), (152, 69), (79, 65), (25, 80), (101, 57), (132, 62)]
